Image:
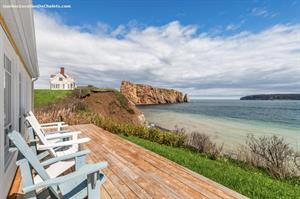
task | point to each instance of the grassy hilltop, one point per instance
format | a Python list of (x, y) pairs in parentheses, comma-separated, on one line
[(44, 97)]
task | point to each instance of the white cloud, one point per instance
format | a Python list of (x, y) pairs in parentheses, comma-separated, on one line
[(260, 11), (172, 55), (233, 26)]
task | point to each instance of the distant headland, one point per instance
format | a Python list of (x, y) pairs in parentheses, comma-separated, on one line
[(272, 97)]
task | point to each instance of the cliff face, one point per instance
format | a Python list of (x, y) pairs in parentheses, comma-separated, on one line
[(107, 103), (145, 94)]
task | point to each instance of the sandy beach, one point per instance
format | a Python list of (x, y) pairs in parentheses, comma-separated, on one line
[(231, 132)]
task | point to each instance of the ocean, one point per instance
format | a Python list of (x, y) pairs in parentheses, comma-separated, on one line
[(229, 122)]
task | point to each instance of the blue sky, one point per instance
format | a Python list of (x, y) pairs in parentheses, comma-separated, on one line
[(208, 15), (209, 49)]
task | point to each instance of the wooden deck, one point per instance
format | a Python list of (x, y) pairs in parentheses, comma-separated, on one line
[(135, 172)]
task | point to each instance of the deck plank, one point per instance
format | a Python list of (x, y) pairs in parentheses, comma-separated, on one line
[(139, 173)]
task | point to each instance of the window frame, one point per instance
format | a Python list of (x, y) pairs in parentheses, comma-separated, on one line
[(8, 107)]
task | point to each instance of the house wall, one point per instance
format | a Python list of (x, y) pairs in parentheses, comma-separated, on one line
[(17, 42), (21, 102)]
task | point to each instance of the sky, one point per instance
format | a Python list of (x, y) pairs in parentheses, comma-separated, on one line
[(208, 49)]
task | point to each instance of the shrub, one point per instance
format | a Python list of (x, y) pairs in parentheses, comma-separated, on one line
[(153, 134), (130, 110), (273, 154), (203, 144)]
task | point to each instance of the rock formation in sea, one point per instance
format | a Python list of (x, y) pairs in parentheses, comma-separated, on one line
[(146, 94)]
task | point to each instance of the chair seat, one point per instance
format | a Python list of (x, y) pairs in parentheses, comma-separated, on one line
[(56, 169), (77, 188)]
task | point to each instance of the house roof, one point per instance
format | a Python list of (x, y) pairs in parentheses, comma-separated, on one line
[(18, 25), (66, 75)]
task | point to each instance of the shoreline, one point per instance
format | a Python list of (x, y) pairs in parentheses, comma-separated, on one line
[(231, 133)]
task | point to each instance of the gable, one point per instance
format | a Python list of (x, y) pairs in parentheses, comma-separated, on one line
[(61, 78)]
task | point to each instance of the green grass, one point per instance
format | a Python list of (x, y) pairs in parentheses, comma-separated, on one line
[(43, 97), (246, 180)]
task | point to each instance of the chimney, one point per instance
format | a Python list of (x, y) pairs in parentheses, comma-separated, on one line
[(62, 71)]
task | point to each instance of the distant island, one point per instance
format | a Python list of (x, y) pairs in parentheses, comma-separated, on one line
[(272, 97)]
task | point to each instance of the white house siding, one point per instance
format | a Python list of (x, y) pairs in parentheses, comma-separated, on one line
[(16, 26), (66, 83)]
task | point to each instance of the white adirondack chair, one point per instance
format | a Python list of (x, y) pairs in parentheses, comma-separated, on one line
[(57, 144), (53, 141), (59, 167), (53, 125), (84, 182)]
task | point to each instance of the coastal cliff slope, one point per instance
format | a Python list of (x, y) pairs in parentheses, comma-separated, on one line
[(146, 94), (113, 105), (107, 103)]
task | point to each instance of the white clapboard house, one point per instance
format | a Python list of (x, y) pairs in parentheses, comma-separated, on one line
[(18, 71), (62, 81)]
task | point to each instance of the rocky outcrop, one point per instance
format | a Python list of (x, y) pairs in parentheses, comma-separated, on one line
[(185, 98), (145, 94)]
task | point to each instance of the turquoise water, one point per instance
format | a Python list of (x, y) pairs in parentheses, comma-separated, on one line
[(229, 121)]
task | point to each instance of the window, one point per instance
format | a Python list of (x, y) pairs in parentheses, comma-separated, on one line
[(7, 107), (60, 79), (20, 102), (7, 91)]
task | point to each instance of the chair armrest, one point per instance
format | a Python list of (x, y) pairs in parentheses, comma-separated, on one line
[(56, 132), (60, 144), (83, 171), (61, 135), (52, 124), (54, 127), (65, 157)]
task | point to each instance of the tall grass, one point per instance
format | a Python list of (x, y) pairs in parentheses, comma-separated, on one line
[(152, 134)]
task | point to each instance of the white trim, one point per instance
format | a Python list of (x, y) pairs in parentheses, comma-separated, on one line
[(1, 117)]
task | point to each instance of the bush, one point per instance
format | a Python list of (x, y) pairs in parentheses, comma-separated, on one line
[(273, 154), (203, 144), (153, 134)]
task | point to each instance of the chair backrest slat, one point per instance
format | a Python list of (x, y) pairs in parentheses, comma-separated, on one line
[(39, 131), (22, 146), (32, 158), (30, 113)]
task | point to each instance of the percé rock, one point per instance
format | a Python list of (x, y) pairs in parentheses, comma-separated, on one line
[(146, 94), (272, 97)]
